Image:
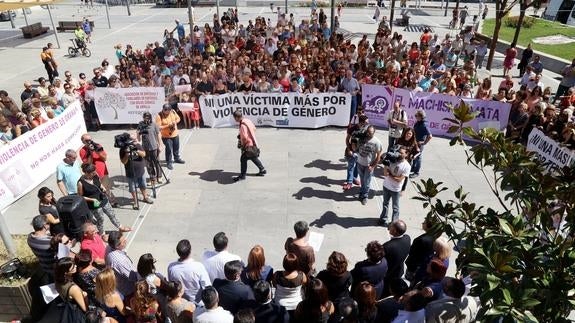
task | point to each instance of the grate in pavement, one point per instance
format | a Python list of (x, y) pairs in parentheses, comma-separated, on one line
[(417, 28)]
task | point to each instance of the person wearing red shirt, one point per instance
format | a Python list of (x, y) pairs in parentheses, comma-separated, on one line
[(93, 153), (93, 241)]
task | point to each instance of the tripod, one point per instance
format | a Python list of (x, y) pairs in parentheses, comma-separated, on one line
[(156, 165)]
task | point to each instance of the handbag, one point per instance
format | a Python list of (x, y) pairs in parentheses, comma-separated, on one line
[(252, 152), (71, 312)]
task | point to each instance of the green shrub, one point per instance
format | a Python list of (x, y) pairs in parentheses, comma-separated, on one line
[(513, 22)]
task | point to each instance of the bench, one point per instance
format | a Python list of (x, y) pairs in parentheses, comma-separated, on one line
[(70, 25), (34, 30)]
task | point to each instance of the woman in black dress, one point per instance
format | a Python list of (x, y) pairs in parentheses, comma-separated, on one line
[(525, 59), (47, 207), (336, 277)]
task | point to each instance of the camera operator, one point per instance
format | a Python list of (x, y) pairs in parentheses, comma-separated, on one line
[(149, 136), (369, 153), (94, 153), (132, 156), (356, 133), (393, 177), (168, 120), (397, 120)]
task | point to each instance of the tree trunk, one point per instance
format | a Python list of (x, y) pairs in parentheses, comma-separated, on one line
[(493, 43), (522, 12), (391, 12)]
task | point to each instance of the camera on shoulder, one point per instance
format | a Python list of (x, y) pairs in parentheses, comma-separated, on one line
[(359, 136), (392, 156), (92, 146), (125, 142)]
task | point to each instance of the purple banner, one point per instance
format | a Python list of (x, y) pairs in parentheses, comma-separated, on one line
[(379, 99)]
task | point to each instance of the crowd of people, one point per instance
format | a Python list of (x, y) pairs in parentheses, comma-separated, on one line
[(308, 57), (104, 285), (227, 56)]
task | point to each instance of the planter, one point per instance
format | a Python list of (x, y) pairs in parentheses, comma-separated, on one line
[(15, 301)]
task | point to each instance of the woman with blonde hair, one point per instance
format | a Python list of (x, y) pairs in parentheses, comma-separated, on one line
[(256, 268), (442, 250), (108, 298)]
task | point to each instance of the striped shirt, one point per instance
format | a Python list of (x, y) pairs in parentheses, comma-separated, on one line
[(40, 246), (126, 274)]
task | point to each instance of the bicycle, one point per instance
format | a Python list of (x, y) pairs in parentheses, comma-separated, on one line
[(78, 48)]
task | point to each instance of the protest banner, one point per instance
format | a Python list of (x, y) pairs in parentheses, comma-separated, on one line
[(32, 157), (126, 105), (285, 110), (378, 100), (550, 153)]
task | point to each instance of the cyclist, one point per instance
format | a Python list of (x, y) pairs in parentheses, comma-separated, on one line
[(80, 36)]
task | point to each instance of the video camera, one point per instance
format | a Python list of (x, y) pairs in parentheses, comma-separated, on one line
[(125, 141), (392, 156), (359, 136), (91, 145)]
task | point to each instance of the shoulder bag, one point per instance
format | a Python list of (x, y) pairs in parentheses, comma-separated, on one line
[(72, 313)]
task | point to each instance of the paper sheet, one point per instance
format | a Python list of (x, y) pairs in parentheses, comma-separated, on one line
[(315, 240), (49, 292)]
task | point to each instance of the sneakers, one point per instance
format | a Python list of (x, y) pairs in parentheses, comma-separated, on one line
[(238, 178), (383, 223), (170, 166), (262, 172), (347, 186), (364, 201), (179, 161), (413, 175), (357, 182)]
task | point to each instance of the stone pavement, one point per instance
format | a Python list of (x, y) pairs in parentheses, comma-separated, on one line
[(305, 170)]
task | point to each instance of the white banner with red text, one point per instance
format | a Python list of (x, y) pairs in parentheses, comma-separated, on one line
[(32, 157), (126, 105), (550, 153), (282, 110), (378, 100)]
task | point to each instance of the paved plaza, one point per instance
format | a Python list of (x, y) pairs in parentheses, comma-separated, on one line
[(305, 167)]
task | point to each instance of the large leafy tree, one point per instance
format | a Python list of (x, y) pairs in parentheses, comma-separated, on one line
[(523, 267)]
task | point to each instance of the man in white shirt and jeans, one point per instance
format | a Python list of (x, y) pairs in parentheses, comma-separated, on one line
[(393, 177)]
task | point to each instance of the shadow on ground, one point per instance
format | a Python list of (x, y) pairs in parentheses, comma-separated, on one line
[(325, 165), (342, 196), (322, 180), (215, 175), (330, 217)]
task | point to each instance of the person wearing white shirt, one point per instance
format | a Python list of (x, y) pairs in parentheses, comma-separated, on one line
[(535, 81), (214, 261), (414, 308), (527, 76), (191, 274), (212, 312), (394, 175), (453, 307)]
